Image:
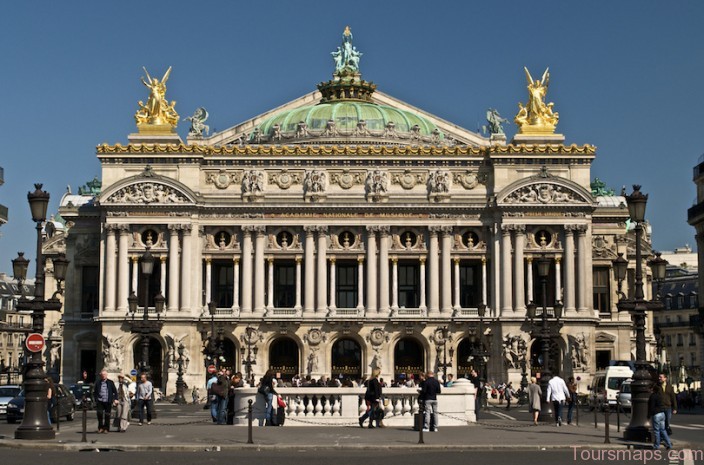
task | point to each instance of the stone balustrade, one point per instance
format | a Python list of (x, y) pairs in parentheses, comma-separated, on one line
[(315, 406)]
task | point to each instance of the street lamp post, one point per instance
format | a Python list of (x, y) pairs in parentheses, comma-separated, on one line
[(639, 427), (35, 424), (249, 355), (445, 339), (545, 333), (179, 398)]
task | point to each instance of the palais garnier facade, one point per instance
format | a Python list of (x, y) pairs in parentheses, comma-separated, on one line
[(342, 231)]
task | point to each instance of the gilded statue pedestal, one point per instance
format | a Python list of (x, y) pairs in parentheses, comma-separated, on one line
[(531, 139)]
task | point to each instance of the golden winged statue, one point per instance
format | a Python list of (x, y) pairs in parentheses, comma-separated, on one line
[(536, 117), (158, 111)]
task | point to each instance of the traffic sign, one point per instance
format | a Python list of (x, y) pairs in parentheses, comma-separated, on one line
[(34, 342), (133, 372), (211, 369)]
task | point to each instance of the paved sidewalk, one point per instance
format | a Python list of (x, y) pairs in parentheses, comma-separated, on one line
[(189, 428)]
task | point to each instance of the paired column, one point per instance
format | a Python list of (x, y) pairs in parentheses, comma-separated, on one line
[(332, 305), (558, 279), (569, 269), (394, 283), (529, 281), (298, 282), (270, 283), (123, 268), (259, 274), (518, 258), (496, 269), (247, 268), (321, 284), (309, 251), (208, 280), (423, 280), (360, 282), (236, 284), (186, 266), (172, 298), (484, 276), (135, 273), (582, 263), (110, 268), (446, 257), (162, 268), (384, 270), (371, 269), (434, 271), (457, 306), (506, 278)]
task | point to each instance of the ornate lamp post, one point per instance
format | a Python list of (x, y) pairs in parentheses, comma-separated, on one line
[(145, 326), (445, 365), (35, 424), (638, 429), (249, 355), (179, 398), (545, 332)]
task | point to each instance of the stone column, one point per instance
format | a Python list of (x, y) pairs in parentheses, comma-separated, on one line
[(101, 277), (589, 273), (371, 269), (110, 268), (484, 280), (519, 285), (270, 283), (123, 268), (581, 262), (360, 283), (384, 270), (298, 306), (558, 280), (446, 257), (457, 305), (162, 268), (259, 273), (333, 274), (236, 284), (247, 269), (506, 281), (309, 258), (174, 284), (186, 275), (135, 273), (422, 305), (529, 280), (434, 272), (496, 269), (394, 283), (568, 295), (208, 280), (322, 284)]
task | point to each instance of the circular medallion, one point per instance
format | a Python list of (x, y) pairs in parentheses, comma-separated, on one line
[(284, 180), (346, 180), (377, 336), (407, 180), (315, 337), (469, 180)]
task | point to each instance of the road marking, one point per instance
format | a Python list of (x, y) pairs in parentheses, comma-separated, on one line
[(692, 427), (503, 416)]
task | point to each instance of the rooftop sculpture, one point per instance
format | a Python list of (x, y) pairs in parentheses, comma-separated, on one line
[(536, 117), (158, 114), (346, 57)]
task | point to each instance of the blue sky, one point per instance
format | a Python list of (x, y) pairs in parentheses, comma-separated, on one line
[(626, 76)]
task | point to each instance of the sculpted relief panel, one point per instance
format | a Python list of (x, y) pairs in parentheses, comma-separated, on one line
[(146, 193)]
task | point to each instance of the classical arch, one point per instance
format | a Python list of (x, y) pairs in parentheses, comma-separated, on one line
[(148, 189), (465, 356), (346, 359), (156, 360), (409, 358), (544, 189), (284, 357)]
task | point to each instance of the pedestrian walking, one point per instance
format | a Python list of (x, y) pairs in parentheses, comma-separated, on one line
[(267, 390), (572, 399), (145, 399), (195, 395), (479, 391), (669, 400), (50, 398), (535, 394), (430, 390), (557, 394), (212, 398), (656, 412), (124, 404), (372, 397), (508, 394), (105, 395)]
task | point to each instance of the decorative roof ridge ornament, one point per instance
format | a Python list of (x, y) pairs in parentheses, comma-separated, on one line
[(536, 117), (158, 116), (347, 81)]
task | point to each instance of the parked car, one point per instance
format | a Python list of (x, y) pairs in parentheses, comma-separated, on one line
[(624, 395), (83, 392), (605, 385), (65, 405), (6, 394)]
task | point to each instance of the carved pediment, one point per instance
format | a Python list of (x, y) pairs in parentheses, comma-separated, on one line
[(544, 193), (604, 338), (148, 193)]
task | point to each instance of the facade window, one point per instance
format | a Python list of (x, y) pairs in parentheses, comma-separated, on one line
[(222, 283), (346, 281), (680, 301), (668, 302), (470, 284), (695, 301), (89, 290), (680, 340), (154, 285), (602, 293), (408, 284), (693, 358), (538, 287), (284, 284), (692, 340), (668, 340)]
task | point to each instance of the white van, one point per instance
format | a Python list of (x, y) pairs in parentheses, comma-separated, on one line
[(606, 384)]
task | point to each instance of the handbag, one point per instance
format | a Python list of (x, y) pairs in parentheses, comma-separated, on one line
[(280, 402), (264, 390)]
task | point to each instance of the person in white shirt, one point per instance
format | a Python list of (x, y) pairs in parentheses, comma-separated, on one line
[(557, 394)]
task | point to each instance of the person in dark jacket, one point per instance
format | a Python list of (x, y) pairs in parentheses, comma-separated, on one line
[(669, 399), (266, 389), (105, 395), (656, 412), (429, 391), (372, 397)]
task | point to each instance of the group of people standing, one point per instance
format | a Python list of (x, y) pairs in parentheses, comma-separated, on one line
[(107, 395), (221, 395), (558, 394)]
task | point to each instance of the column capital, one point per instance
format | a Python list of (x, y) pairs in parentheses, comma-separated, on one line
[(236, 260), (360, 259), (570, 229), (422, 259), (207, 260), (260, 230), (321, 229), (186, 227), (162, 258), (134, 258), (384, 230), (558, 260), (456, 260), (446, 230), (247, 229), (174, 228), (111, 228), (529, 259), (393, 258), (506, 229), (520, 229), (434, 230), (309, 229), (332, 258), (123, 228), (581, 229), (299, 259), (270, 258)]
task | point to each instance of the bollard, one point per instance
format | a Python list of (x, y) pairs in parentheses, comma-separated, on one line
[(607, 412), (84, 407), (596, 411), (249, 422), (58, 415), (618, 415), (420, 423)]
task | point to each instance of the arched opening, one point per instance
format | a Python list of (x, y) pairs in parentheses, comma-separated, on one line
[(346, 360), (284, 357), (155, 360), (469, 352), (536, 357), (229, 356), (409, 358)]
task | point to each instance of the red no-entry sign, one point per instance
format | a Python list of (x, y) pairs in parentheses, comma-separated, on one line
[(212, 369), (34, 342)]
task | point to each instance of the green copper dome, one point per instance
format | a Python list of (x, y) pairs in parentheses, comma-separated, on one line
[(346, 118)]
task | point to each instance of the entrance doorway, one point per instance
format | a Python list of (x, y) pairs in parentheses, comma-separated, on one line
[(284, 358), (346, 360), (409, 359), (155, 360), (536, 357)]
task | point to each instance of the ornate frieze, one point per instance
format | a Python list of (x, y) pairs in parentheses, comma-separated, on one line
[(147, 193), (222, 179), (543, 193), (315, 184), (439, 185), (346, 241), (469, 180), (347, 179), (285, 179), (252, 184), (408, 179), (377, 185)]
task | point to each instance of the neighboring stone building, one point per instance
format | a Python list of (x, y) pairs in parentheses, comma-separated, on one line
[(3, 208), (342, 231), (13, 325), (695, 217)]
